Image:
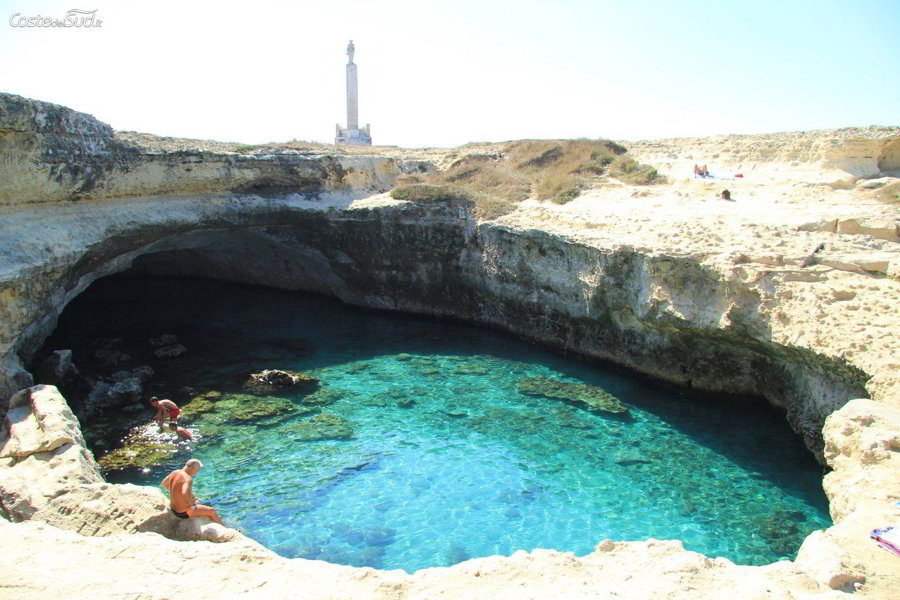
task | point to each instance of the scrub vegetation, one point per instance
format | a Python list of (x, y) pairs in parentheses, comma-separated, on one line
[(555, 170)]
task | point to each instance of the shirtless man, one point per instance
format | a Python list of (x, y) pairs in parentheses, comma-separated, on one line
[(183, 503), (164, 409)]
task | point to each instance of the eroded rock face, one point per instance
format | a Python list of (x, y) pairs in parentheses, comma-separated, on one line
[(58, 154)]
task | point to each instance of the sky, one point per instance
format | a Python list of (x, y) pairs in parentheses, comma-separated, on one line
[(443, 73)]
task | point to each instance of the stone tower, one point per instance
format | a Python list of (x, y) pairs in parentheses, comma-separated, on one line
[(352, 134)]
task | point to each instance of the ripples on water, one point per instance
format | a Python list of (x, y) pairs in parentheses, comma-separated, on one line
[(448, 461)]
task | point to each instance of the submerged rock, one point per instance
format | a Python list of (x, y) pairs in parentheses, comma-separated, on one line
[(324, 397), (272, 380), (256, 409), (137, 455), (201, 404), (173, 351), (593, 397), (321, 427), (469, 369), (144, 446)]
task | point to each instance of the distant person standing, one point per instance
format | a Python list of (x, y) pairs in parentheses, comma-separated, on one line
[(165, 410), (182, 502)]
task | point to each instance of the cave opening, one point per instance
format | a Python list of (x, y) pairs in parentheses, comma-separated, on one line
[(425, 442)]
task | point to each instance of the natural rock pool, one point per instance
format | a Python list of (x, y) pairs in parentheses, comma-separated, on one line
[(421, 448)]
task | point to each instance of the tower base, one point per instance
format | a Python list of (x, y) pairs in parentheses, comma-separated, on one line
[(353, 137)]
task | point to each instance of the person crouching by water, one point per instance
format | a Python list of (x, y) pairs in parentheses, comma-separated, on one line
[(165, 409), (181, 431), (182, 502)]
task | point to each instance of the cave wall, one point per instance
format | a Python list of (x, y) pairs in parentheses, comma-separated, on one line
[(430, 258)]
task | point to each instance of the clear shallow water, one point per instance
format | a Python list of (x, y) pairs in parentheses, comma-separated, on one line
[(473, 467)]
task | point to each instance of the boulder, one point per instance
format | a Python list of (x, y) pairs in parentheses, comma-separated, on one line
[(44, 452), (126, 391), (38, 420), (272, 380), (143, 373)]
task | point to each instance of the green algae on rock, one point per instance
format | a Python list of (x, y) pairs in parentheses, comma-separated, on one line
[(324, 426), (593, 397), (137, 455), (243, 408), (201, 404), (324, 397), (141, 448)]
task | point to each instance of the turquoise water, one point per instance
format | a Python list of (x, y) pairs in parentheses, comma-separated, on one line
[(471, 467)]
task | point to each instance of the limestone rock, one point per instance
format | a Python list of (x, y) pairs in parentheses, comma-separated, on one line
[(880, 228), (863, 429), (102, 509), (875, 183), (46, 452), (828, 563), (38, 420)]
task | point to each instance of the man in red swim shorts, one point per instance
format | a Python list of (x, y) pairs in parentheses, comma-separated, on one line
[(165, 409)]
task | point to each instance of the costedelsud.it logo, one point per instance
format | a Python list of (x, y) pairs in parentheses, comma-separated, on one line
[(75, 17)]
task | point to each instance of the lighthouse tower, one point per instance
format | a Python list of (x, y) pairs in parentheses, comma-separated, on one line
[(352, 134)]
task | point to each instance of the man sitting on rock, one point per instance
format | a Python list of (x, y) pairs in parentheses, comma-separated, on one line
[(165, 409), (182, 502)]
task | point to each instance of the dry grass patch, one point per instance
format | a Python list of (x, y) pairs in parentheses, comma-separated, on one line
[(555, 170)]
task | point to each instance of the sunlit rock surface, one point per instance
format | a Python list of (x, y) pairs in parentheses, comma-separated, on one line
[(789, 293)]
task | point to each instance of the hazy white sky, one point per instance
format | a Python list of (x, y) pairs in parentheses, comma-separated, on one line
[(441, 73)]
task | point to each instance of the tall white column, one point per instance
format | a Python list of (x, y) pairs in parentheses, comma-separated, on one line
[(352, 98)]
